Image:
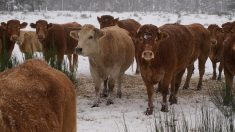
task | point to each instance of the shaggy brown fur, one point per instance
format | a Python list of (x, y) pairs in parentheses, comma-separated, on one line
[(35, 97), (128, 24), (216, 53), (163, 53)]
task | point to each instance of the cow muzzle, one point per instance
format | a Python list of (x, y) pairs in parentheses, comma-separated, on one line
[(41, 37), (148, 55), (78, 51), (14, 38), (213, 42)]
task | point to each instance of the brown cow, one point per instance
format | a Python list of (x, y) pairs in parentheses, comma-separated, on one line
[(163, 53), (229, 64), (29, 43), (216, 53), (10, 34), (35, 97), (128, 24), (201, 49), (55, 38), (103, 48)]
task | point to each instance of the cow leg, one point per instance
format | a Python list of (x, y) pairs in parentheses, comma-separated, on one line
[(119, 82), (137, 66), (220, 71), (150, 92), (189, 75), (214, 70), (75, 61), (97, 92), (165, 90), (228, 89), (105, 89), (60, 58), (202, 62), (111, 83), (70, 62), (178, 79)]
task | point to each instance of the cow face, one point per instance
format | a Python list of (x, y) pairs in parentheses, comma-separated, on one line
[(107, 21), (87, 38), (13, 29), (149, 37), (215, 32), (42, 27)]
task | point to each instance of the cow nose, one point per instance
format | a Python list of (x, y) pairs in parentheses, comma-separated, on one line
[(14, 37), (78, 50), (213, 41), (147, 55)]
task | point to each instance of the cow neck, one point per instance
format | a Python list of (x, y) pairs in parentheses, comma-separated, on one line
[(97, 57)]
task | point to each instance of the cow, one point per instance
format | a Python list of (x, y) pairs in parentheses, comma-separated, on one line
[(229, 65), (216, 52), (56, 41), (201, 49), (110, 52), (128, 24), (163, 53), (9, 34), (36, 97), (29, 43)]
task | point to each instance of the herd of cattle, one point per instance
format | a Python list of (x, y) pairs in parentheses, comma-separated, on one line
[(34, 96)]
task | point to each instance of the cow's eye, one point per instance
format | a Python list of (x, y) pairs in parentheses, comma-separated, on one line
[(91, 37)]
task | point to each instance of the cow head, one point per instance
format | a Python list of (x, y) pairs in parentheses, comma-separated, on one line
[(215, 32), (87, 37), (42, 27), (13, 28), (107, 21), (149, 37)]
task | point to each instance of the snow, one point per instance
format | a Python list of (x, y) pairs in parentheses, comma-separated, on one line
[(110, 118)]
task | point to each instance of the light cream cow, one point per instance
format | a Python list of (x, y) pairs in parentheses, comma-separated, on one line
[(110, 52)]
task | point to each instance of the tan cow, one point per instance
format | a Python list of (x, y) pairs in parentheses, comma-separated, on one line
[(36, 98), (29, 42), (110, 52)]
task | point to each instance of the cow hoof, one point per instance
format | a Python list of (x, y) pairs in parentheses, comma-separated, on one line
[(109, 102), (149, 111), (119, 94), (104, 95), (95, 105), (185, 87), (199, 88), (164, 109), (213, 78), (137, 72), (219, 78), (173, 100)]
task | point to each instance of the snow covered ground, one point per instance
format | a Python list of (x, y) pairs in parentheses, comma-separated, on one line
[(133, 103)]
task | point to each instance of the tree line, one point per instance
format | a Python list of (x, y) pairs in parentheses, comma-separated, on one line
[(191, 6)]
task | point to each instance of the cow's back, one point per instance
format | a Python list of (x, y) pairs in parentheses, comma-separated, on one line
[(177, 47), (117, 47), (130, 25), (36, 97), (55, 39)]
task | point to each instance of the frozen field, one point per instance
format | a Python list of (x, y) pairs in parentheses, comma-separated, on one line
[(134, 103)]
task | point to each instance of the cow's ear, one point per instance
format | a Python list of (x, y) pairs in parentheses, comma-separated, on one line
[(23, 25), (116, 20), (98, 33), (163, 35), (99, 19), (74, 34), (4, 25), (49, 25), (32, 25)]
